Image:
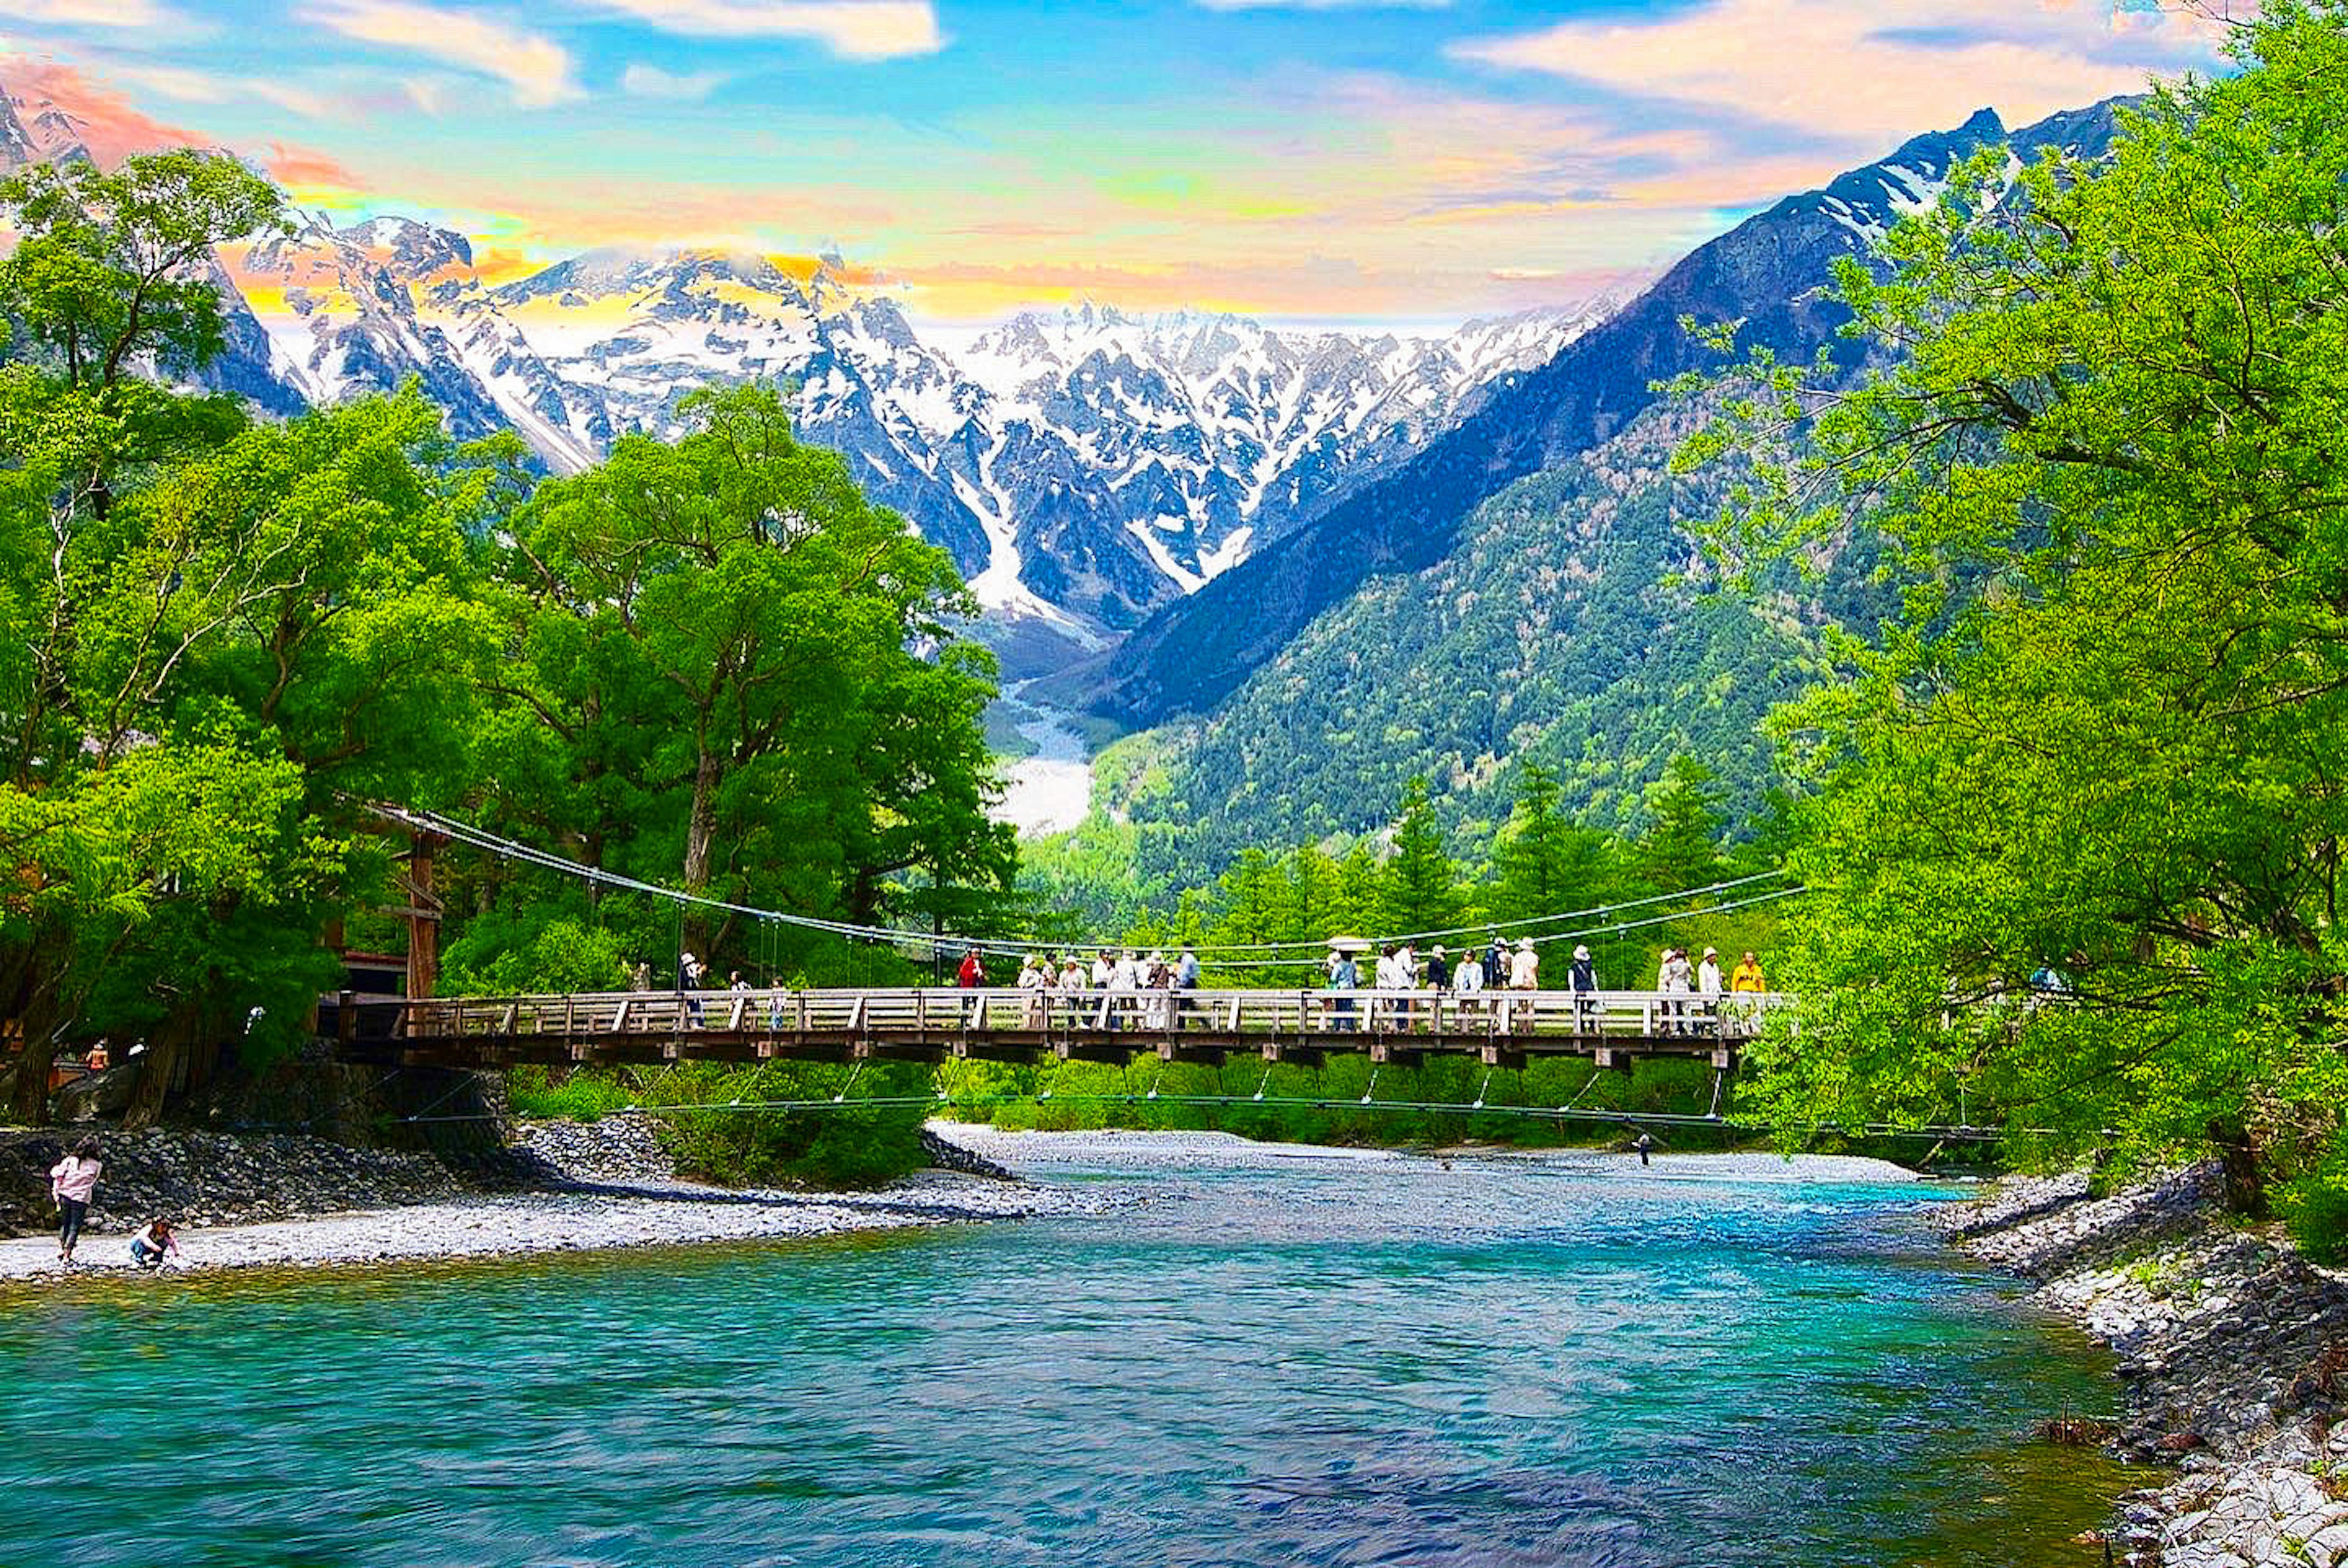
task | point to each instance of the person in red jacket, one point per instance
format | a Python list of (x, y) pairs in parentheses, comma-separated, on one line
[(973, 973)]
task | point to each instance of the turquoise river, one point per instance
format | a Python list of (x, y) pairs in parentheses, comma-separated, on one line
[(1311, 1361)]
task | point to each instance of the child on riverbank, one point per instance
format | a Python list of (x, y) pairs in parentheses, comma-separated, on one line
[(149, 1245), (72, 1179)]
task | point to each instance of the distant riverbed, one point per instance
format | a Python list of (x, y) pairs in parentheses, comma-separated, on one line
[(1049, 790), (1282, 1356)]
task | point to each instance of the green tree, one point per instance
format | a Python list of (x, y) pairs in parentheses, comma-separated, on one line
[(1422, 886), (113, 275), (1681, 848), (1543, 862), (720, 650), (2099, 737)]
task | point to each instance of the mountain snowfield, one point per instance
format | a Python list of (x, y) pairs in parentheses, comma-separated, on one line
[(1084, 467)]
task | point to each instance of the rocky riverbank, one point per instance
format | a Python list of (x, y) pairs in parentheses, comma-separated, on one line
[(2234, 1358), (285, 1200)]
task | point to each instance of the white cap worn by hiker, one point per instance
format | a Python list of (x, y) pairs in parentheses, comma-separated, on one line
[(1581, 952)]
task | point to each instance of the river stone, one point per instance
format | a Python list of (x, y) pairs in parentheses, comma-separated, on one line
[(97, 1094)]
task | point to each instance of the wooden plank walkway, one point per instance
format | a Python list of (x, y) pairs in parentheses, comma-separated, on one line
[(1500, 1028)]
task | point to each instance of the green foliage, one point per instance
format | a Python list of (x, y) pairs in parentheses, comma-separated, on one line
[(1421, 888), (536, 952), (2094, 745), (729, 669), (530, 1093), (1682, 847), (709, 659), (109, 274), (1569, 627), (2315, 1206)]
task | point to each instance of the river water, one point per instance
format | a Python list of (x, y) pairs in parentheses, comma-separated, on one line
[(1306, 1361)]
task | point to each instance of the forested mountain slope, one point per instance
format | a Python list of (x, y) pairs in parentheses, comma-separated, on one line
[(1570, 626)]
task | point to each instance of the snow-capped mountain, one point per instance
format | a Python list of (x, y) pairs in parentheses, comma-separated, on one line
[(1082, 466)]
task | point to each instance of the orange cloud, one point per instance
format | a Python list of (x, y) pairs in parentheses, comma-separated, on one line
[(107, 124), (308, 169)]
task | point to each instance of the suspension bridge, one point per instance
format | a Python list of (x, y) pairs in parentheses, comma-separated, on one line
[(1405, 1029)]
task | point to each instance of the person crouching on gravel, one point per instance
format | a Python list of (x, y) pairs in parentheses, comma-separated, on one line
[(149, 1248), (72, 1179)]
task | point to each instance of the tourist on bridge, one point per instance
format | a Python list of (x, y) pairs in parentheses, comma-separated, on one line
[(1439, 969), (1386, 975), (774, 1002), (1186, 969), (1524, 968), (1158, 981), (1673, 979), (1746, 986), (152, 1243), (1124, 985), (1468, 978), (1583, 979), (1036, 981), (1495, 961), (973, 973), (689, 973), (1344, 978), (72, 1179), (1707, 985), (1072, 984)]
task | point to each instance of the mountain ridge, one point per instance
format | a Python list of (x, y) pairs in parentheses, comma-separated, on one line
[(1768, 271)]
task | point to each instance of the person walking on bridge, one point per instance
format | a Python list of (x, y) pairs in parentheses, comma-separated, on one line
[(1707, 985), (973, 973)]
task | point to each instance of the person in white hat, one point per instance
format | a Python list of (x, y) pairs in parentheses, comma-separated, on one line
[(1583, 980), (689, 980), (1524, 970), (1707, 985)]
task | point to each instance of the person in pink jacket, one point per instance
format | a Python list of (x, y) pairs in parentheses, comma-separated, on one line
[(71, 1182)]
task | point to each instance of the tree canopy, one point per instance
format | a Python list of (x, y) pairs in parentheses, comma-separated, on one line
[(2074, 844)]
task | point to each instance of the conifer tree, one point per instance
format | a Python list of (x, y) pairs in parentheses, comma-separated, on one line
[(1422, 889)]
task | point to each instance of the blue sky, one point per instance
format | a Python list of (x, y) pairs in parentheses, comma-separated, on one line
[(1347, 160)]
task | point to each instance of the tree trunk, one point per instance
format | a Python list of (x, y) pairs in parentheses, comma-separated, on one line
[(167, 1043), (700, 838), (30, 1106), (2246, 1187)]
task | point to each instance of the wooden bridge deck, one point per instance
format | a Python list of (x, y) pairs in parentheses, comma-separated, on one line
[(1502, 1029)]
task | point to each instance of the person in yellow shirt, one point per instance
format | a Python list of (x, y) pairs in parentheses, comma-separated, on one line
[(1745, 980)]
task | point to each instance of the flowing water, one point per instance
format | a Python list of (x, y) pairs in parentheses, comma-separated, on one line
[(1311, 1362)]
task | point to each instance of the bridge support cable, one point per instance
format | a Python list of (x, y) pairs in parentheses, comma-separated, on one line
[(1260, 955)]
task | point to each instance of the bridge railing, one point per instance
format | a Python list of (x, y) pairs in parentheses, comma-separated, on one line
[(944, 1013)]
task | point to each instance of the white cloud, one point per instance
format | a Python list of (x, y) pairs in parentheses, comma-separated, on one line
[(1866, 72), (426, 93), (204, 88), (535, 66), (1326, 5), (88, 13), (652, 82), (855, 29)]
